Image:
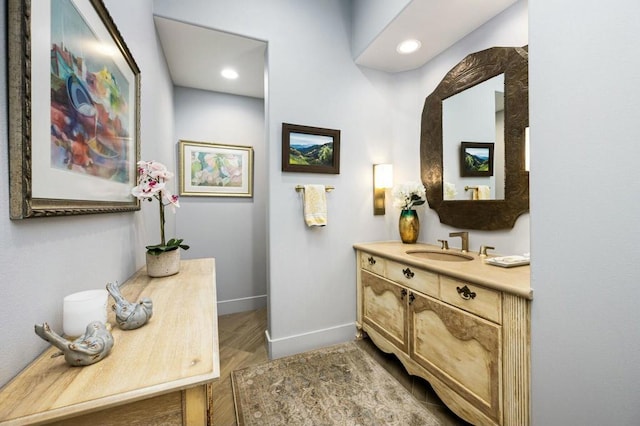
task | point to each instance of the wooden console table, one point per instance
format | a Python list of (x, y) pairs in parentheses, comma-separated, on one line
[(158, 374)]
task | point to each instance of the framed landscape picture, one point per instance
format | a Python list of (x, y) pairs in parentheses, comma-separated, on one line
[(310, 149), (476, 159), (74, 110), (215, 170)]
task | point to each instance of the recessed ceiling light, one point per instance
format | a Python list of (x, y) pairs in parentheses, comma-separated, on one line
[(408, 46), (229, 73)]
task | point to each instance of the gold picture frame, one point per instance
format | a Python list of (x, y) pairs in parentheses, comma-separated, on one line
[(74, 111), (215, 170)]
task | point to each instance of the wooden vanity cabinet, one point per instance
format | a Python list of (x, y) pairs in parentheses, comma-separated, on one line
[(473, 350)]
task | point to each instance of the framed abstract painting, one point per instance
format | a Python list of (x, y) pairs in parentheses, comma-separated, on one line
[(215, 170), (74, 110)]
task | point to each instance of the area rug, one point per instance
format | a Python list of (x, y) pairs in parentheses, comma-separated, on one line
[(338, 385)]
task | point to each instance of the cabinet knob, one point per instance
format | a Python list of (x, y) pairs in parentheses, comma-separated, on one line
[(466, 293), (412, 297), (371, 260), (403, 293), (408, 273)]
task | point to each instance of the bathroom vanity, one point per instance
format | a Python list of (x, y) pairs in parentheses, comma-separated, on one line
[(160, 373), (461, 324)]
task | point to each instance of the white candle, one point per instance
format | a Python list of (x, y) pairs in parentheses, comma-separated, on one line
[(79, 309)]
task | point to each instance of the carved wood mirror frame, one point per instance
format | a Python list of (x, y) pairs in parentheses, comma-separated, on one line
[(476, 68)]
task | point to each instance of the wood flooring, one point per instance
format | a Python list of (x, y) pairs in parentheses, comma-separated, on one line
[(243, 343)]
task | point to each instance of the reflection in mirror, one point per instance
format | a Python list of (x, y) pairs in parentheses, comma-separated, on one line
[(474, 115)]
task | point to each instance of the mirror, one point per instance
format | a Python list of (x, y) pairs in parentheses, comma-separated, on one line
[(476, 117), (449, 131)]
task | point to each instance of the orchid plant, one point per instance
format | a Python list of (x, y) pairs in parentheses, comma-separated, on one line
[(152, 183), (408, 194)]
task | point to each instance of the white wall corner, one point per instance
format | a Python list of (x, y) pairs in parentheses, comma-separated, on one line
[(232, 306), (369, 18), (299, 343)]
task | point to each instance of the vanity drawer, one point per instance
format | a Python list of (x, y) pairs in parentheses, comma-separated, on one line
[(417, 279), (481, 301), (372, 263)]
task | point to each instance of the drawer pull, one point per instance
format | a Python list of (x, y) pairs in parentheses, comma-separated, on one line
[(412, 297), (403, 293), (408, 273), (465, 293), (371, 260)]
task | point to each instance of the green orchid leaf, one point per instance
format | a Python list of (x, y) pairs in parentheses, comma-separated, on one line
[(172, 244)]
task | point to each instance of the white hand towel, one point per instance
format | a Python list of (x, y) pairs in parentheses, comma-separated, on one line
[(315, 205), (484, 192)]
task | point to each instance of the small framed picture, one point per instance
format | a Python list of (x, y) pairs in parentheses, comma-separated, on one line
[(310, 149), (215, 170), (476, 159)]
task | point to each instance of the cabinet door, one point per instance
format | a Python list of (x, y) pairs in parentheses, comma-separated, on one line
[(384, 308), (461, 349)]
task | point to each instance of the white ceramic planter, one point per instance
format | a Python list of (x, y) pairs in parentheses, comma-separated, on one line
[(164, 264)]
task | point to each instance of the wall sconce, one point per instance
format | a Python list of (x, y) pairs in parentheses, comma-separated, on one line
[(382, 179)]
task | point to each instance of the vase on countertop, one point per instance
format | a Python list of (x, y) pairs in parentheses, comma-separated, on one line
[(409, 226), (163, 264)]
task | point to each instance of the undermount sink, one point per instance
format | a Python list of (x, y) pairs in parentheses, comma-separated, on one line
[(440, 255)]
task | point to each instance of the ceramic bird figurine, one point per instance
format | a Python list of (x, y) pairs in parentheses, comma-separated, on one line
[(129, 315), (87, 349)]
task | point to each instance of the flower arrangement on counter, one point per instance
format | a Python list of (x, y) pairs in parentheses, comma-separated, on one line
[(449, 191), (408, 194), (152, 183)]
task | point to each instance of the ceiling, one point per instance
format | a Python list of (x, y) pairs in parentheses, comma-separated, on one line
[(208, 52), (437, 24)]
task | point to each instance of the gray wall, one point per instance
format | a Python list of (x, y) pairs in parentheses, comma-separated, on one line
[(233, 230), (585, 213), (42, 260), (312, 81)]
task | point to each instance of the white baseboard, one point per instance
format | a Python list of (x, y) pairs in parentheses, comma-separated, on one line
[(299, 343), (241, 305)]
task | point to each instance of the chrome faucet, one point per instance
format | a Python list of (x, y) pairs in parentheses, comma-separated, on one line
[(465, 239)]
